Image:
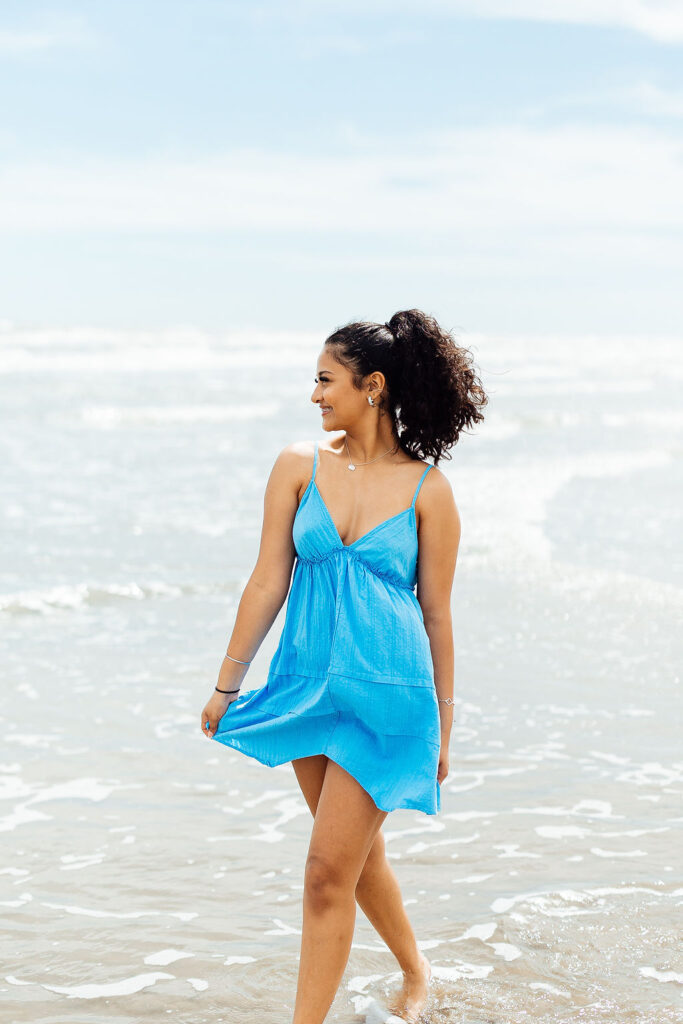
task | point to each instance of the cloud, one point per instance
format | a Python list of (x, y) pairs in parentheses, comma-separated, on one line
[(470, 179), (65, 33), (650, 99), (642, 99), (661, 20)]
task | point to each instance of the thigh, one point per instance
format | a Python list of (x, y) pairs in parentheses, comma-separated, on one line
[(346, 823), (310, 773)]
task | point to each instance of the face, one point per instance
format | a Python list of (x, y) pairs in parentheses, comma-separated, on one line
[(340, 403)]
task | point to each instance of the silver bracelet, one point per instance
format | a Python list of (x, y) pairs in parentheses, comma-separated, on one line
[(447, 700), (237, 659)]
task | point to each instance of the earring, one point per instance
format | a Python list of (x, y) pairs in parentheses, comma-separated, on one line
[(370, 400)]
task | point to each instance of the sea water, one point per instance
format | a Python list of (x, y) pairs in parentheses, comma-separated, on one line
[(149, 874)]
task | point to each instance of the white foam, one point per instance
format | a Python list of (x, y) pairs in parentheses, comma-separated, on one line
[(506, 950), (598, 851), (543, 986), (519, 537), (561, 831), (282, 928), (167, 350), (664, 976), (125, 987), (80, 595), (461, 970), (85, 788), (198, 984), (111, 417), (182, 915), (21, 815), (166, 956)]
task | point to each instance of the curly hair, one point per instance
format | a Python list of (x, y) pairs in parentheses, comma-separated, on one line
[(433, 390)]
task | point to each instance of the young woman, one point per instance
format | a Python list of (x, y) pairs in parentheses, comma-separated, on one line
[(359, 693)]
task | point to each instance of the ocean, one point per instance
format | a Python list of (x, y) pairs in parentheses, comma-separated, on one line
[(148, 874)]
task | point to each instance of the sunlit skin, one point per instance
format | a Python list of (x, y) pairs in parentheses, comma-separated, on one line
[(346, 862)]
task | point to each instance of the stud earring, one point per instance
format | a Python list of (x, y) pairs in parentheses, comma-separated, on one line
[(370, 400)]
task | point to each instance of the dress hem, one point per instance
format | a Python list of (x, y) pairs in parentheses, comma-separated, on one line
[(230, 739)]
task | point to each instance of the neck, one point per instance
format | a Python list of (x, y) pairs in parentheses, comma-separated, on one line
[(364, 448)]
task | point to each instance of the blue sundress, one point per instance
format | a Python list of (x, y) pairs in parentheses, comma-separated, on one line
[(352, 676)]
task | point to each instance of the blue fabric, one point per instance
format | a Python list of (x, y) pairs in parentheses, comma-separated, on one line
[(352, 676)]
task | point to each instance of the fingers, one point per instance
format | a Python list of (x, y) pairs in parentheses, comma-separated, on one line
[(208, 724)]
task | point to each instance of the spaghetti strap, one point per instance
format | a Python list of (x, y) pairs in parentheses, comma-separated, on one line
[(417, 489), (315, 461)]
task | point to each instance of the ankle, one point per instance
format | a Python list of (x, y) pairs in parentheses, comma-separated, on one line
[(417, 968)]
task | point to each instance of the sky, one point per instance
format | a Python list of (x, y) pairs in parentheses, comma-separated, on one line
[(511, 166)]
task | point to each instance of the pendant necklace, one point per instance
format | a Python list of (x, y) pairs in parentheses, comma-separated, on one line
[(353, 465)]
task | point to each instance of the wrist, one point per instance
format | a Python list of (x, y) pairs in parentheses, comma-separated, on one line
[(231, 675), (446, 720)]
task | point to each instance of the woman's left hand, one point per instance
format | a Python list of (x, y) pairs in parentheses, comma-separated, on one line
[(443, 763)]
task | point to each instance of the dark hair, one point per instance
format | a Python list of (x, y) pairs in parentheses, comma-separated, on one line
[(433, 390)]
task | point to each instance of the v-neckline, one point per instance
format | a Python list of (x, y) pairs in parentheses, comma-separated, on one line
[(368, 532)]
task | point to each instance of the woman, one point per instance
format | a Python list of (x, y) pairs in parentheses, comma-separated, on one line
[(359, 693)]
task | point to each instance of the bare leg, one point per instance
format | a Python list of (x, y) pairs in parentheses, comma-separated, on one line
[(346, 822), (378, 895)]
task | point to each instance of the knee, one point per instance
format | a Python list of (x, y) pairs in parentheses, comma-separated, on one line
[(324, 882)]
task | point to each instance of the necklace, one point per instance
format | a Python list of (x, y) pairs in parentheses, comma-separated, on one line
[(353, 465)]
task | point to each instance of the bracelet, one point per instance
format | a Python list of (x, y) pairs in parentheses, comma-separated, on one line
[(447, 700), (237, 659), (228, 691)]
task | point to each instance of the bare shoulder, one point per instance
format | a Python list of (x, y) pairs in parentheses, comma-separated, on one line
[(294, 463), (436, 501), (437, 487)]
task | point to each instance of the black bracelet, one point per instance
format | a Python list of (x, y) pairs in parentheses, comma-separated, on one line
[(228, 691)]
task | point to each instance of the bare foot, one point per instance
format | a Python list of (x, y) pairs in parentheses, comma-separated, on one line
[(412, 998)]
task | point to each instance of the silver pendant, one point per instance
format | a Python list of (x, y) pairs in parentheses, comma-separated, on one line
[(350, 466)]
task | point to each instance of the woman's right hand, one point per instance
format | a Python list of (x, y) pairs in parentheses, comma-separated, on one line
[(214, 709)]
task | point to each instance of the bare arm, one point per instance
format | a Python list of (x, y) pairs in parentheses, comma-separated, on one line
[(268, 585), (439, 538)]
